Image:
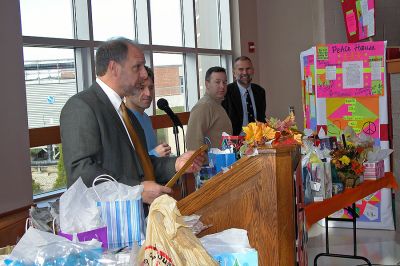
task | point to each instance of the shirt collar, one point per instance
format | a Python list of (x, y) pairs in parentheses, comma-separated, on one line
[(243, 89), (111, 94)]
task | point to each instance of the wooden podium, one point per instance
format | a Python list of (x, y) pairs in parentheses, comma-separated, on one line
[(257, 194)]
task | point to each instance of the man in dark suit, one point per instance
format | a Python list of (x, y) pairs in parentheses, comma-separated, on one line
[(94, 135), (244, 101)]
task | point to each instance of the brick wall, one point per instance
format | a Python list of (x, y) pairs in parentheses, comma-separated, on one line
[(167, 80)]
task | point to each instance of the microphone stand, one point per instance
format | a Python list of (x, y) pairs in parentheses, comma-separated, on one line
[(176, 134), (182, 181)]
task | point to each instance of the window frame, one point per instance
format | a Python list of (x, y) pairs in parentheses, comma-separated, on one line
[(84, 47)]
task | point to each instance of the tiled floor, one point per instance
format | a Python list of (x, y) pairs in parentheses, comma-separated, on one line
[(381, 247)]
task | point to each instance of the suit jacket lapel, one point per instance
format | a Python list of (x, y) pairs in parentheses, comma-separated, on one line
[(259, 101), (111, 112), (237, 100)]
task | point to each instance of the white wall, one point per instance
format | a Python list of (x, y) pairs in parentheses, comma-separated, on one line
[(15, 174), (285, 28)]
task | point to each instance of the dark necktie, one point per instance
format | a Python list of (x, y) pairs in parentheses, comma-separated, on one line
[(250, 113), (140, 150)]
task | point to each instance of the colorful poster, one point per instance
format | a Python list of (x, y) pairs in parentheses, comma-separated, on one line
[(362, 114), (359, 18), (350, 70), (308, 88), (359, 101), (375, 212), (368, 208)]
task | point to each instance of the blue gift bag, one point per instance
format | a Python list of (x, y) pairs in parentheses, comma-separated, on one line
[(221, 160), (125, 223), (124, 220)]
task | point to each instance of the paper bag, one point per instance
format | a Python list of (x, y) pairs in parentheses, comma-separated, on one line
[(169, 241)]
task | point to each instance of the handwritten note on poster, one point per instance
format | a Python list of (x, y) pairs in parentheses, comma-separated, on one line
[(350, 70), (362, 114)]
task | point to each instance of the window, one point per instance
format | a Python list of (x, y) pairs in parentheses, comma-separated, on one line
[(168, 70), (50, 80), (166, 22), (180, 38), (213, 24), (108, 19), (205, 62), (47, 18)]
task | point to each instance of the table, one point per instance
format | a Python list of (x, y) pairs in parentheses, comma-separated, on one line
[(319, 210)]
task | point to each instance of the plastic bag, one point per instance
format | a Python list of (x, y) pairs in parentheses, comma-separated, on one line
[(168, 240), (321, 181), (41, 248), (230, 247)]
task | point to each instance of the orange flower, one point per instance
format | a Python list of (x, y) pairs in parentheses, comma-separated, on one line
[(258, 133), (250, 133), (268, 132)]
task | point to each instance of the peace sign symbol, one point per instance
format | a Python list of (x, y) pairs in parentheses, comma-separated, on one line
[(369, 128)]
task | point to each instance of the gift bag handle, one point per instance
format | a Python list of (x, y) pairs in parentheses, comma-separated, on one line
[(103, 177), (28, 223)]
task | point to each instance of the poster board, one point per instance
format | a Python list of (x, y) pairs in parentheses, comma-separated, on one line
[(350, 69), (308, 86), (361, 108), (359, 19)]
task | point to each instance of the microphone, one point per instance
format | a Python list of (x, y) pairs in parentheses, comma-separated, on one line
[(162, 104)]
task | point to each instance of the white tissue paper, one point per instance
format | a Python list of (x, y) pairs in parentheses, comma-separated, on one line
[(111, 191), (224, 134), (321, 133), (78, 207), (218, 151), (308, 132), (78, 210), (378, 154), (232, 240)]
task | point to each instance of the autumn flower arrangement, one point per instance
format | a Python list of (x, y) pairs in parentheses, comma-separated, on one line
[(348, 162), (272, 133), (348, 158)]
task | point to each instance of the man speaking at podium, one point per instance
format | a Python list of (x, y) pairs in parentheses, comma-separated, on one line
[(100, 136), (208, 118)]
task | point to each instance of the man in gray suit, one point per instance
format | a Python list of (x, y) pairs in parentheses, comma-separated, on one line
[(94, 137)]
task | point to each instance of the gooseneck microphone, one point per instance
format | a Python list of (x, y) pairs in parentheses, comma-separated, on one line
[(162, 104)]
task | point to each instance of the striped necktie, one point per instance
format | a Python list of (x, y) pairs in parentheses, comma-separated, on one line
[(249, 105)]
